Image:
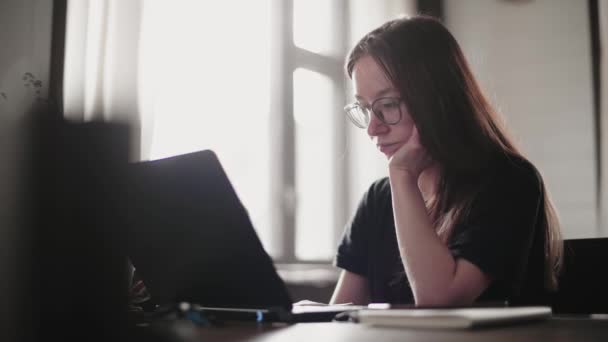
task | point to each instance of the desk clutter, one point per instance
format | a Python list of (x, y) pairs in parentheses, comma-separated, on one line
[(438, 318), (187, 322)]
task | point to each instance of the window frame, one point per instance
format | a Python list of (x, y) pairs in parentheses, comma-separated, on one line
[(286, 57)]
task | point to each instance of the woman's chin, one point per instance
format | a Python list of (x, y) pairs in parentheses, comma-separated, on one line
[(388, 154)]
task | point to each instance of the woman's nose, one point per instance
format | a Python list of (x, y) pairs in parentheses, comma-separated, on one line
[(376, 127)]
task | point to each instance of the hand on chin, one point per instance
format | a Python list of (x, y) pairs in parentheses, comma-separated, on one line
[(410, 157)]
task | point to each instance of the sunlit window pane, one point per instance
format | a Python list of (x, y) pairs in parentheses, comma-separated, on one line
[(313, 94), (312, 29), (205, 85)]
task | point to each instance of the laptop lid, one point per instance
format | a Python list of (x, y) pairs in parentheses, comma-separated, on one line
[(191, 239)]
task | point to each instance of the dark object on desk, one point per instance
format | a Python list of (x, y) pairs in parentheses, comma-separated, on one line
[(77, 274), (191, 240), (583, 284)]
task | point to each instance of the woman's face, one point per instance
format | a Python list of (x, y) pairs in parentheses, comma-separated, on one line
[(370, 83)]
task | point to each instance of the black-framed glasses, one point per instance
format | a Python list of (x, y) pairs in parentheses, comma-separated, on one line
[(386, 109)]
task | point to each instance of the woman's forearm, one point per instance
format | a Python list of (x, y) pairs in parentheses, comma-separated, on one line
[(429, 266)]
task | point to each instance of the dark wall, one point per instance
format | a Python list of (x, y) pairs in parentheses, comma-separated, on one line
[(25, 56)]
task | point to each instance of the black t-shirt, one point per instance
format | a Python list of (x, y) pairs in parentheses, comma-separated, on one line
[(503, 235)]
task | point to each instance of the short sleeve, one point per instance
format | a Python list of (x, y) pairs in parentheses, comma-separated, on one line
[(353, 249), (498, 232)]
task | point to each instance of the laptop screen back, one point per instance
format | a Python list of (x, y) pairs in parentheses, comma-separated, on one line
[(191, 239)]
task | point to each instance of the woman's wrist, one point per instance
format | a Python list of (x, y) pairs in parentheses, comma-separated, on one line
[(402, 176)]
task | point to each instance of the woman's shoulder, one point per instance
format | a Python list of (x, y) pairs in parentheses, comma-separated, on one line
[(515, 172), (380, 187), (381, 184), (377, 193), (510, 190)]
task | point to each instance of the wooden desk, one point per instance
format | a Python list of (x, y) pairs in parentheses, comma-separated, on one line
[(555, 329)]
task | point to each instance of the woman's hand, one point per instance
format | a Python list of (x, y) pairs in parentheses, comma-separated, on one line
[(411, 157)]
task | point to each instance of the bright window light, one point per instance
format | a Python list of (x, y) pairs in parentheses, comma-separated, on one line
[(204, 81), (312, 25), (313, 96)]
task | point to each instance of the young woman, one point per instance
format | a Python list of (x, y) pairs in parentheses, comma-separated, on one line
[(463, 216)]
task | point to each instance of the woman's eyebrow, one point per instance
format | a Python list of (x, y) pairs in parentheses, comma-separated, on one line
[(379, 94), (384, 92)]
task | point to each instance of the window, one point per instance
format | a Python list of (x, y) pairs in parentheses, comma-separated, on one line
[(206, 82), (314, 138)]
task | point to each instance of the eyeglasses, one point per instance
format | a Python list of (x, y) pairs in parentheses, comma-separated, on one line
[(386, 109)]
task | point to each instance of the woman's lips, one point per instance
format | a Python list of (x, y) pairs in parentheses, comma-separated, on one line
[(388, 148)]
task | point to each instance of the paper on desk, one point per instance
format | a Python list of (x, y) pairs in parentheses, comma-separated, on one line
[(451, 318), (307, 302)]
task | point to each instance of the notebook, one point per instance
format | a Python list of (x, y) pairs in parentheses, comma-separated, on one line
[(462, 318), (191, 239)]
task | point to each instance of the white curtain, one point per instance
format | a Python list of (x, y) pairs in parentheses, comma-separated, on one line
[(101, 64)]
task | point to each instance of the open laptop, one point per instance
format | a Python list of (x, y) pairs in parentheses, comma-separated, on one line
[(191, 239)]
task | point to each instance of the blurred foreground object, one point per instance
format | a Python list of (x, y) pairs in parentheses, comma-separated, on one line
[(66, 271)]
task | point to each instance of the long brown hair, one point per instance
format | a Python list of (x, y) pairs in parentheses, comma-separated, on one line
[(425, 63)]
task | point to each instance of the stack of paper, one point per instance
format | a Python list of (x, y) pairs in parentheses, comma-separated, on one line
[(452, 318)]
